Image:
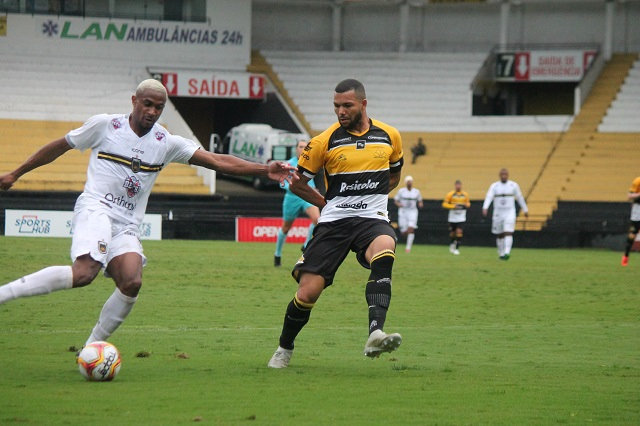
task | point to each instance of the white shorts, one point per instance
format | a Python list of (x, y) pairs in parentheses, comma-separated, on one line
[(407, 219), (103, 238), (500, 225)]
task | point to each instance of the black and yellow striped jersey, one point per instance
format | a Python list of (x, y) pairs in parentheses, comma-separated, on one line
[(356, 169)]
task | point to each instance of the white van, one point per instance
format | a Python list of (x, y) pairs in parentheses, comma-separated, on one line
[(259, 143)]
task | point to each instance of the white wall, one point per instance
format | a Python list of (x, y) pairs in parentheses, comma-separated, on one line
[(87, 38)]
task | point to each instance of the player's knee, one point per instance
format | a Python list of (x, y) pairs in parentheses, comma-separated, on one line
[(130, 286), (85, 272)]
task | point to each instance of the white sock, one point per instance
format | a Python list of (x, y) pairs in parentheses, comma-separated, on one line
[(508, 243), (45, 281), (410, 239), (500, 245), (113, 313)]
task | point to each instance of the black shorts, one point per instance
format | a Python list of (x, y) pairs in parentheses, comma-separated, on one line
[(634, 227), (453, 226), (332, 242)]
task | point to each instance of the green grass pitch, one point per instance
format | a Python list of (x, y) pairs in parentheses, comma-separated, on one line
[(548, 337)]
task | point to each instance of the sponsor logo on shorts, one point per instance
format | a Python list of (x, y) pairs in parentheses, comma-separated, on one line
[(102, 246)]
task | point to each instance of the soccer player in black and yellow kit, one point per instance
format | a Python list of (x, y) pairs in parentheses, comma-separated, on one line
[(362, 159), (457, 202), (634, 227)]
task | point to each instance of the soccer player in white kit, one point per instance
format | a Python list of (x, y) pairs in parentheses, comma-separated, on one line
[(408, 200), (127, 152), (504, 194)]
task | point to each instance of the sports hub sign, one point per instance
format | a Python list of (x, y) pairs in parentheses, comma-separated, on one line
[(50, 223)]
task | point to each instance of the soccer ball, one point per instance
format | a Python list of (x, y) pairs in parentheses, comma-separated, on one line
[(99, 362)]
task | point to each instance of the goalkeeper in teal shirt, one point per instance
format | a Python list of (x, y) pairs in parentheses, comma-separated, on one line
[(292, 207)]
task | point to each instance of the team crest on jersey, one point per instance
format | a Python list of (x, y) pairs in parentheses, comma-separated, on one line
[(116, 123), (102, 246), (360, 144), (133, 186), (380, 154), (135, 165), (160, 136)]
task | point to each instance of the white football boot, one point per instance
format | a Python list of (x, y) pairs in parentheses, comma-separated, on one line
[(380, 342)]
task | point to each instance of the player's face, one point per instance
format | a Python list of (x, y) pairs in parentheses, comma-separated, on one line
[(348, 109), (147, 108), (504, 175), (458, 187)]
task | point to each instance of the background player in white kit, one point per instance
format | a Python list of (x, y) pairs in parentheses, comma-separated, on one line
[(128, 151), (408, 200), (504, 194)]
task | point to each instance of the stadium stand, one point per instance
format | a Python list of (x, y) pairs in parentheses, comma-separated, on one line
[(622, 115), (34, 111), (415, 92), (587, 165)]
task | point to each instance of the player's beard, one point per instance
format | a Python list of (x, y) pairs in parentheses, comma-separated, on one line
[(354, 121)]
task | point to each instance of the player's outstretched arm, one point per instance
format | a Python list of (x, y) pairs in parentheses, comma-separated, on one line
[(44, 155), (300, 187), (228, 164)]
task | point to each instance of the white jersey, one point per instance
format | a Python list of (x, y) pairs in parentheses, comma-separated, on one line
[(123, 167), (408, 199), (504, 197)]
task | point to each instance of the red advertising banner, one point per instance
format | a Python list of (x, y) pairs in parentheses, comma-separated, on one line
[(551, 66), (265, 229), (213, 84)]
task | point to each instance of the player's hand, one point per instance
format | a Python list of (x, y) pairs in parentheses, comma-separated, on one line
[(281, 172), (7, 181), (461, 207)]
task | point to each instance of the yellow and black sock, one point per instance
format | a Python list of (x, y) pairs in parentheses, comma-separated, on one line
[(295, 319), (378, 289)]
